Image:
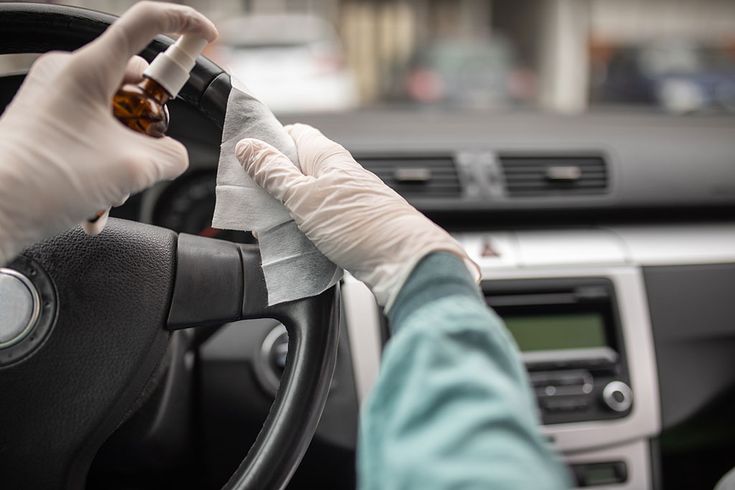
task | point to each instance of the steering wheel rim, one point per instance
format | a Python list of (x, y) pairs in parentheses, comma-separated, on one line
[(38, 28), (192, 262)]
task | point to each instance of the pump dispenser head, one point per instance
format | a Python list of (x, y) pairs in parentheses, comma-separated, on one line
[(171, 68)]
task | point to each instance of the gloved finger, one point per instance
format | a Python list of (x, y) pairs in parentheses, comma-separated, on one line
[(269, 168), (95, 228), (317, 153), (134, 70), (45, 68), (152, 160), (48, 65), (133, 31), (121, 201), (170, 157)]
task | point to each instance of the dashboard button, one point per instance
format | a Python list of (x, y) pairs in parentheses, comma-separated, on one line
[(565, 405), (599, 474), (617, 396)]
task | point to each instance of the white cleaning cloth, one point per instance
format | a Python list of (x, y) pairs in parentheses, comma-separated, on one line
[(292, 265)]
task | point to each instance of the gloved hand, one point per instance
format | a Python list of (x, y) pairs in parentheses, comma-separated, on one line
[(352, 217), (63, 155)]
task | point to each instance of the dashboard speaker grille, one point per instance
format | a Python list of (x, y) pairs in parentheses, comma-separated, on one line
[(542, 176), (417, 176)]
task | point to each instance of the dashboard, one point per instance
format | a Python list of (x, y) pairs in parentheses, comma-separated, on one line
[(606, 243)]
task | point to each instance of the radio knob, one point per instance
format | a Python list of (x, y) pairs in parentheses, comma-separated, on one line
[(617, 396)]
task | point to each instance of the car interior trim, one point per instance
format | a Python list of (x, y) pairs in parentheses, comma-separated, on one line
[(363, 330)]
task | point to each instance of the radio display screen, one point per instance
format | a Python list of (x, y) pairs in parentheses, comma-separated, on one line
[(557, 331)]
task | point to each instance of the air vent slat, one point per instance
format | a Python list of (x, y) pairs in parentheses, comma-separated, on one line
[(433, 179), (542, 186), (519, 163), (601, 176), (554, 176), (542, 168), (434, 173), (417, 176)]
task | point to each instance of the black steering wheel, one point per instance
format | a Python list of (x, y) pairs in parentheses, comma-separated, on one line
[(101, 310)]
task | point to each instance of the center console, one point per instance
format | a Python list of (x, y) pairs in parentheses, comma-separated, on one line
[(576, 306), (571, 341)]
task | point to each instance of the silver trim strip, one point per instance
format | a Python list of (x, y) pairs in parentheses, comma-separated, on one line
[(678, 244), (363, 331)]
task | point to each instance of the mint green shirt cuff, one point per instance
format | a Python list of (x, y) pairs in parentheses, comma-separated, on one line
[(451, 408)]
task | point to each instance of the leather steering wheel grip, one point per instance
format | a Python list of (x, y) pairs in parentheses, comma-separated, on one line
[(217, 282), (312, 323)]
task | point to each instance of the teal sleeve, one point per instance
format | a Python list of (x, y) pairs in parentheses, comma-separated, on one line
[(451, 408)]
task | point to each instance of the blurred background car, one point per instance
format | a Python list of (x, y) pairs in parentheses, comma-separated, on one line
[(292, 62), (467, 73), (677, 76)]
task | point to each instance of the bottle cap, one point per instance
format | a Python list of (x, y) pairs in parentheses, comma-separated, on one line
[(171, 68)]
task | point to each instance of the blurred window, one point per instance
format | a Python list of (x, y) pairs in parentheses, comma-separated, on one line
[(556, 55)]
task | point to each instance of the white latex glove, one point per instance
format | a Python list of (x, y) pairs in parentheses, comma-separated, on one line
[(352, 217), (63, 155)]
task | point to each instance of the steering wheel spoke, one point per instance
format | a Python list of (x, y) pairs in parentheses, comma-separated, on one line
[(215, 279)]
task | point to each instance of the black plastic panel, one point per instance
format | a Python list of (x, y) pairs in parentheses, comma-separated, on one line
[(693, 317)]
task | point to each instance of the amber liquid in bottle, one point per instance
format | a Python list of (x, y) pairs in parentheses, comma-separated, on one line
[(142, 107)]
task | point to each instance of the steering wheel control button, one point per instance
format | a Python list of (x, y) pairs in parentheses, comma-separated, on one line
[(617, 396), (20, 307), (27, 309)]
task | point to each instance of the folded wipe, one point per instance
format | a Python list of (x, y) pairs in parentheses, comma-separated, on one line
[(292, 265)]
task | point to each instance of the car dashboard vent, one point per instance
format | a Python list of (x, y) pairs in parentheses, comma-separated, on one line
[(541, 176), (417, 176)]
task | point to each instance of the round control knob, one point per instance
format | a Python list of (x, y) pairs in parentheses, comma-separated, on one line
[(617, 396)]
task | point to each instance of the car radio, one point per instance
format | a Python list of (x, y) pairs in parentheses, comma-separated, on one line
[(568, 331)]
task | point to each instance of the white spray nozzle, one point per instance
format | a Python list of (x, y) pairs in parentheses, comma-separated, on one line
[(171, 68)]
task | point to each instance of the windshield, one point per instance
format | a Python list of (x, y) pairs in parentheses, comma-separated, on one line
[(569, 56)]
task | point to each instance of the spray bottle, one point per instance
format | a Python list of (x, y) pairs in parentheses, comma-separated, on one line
[(142, 106)]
